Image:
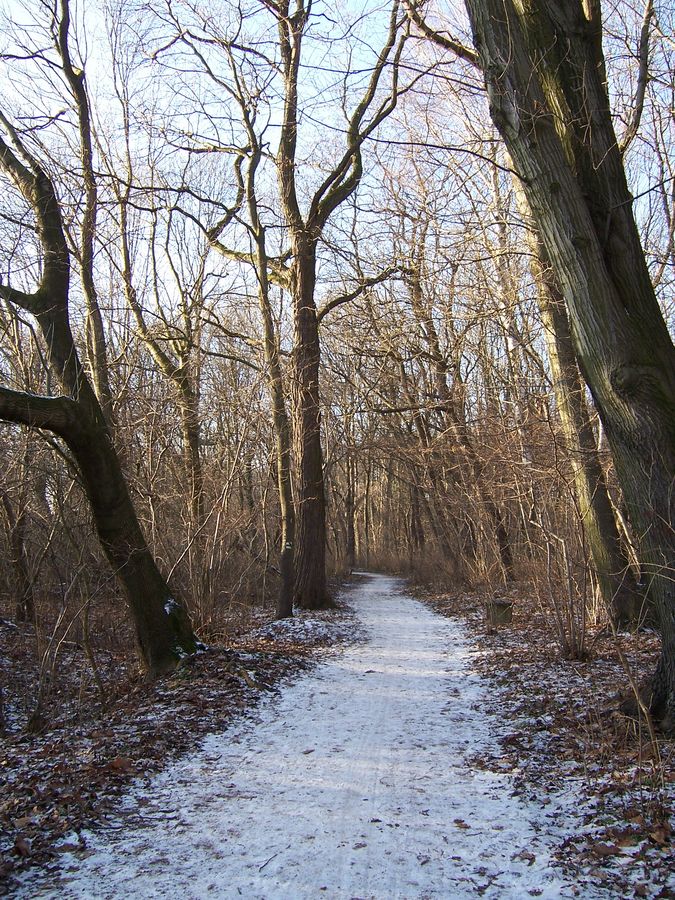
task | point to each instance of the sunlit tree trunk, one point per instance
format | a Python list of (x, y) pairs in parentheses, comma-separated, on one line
[(623, 597), (546, 83)]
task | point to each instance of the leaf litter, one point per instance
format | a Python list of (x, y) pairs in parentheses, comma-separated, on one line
[(417, 764)]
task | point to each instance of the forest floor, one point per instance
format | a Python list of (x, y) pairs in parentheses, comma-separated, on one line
[(428, 758)]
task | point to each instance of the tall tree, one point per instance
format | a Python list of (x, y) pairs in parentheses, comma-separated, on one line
[(162, 625), (545, 75), (305, 231), (620, 589), (267, 271)]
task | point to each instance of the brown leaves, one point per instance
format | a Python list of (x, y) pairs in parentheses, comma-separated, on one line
[(121, 764), (55, 784), (21, 846), (661, 835), (559, 731)]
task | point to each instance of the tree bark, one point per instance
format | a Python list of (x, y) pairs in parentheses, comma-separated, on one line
[(16, 528), (623, 596), (544, 71), (311, 591), (162, 625)]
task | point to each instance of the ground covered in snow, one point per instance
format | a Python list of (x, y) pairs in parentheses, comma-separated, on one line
[(69, 776), (434, 759), (389, 771), (567, 729)]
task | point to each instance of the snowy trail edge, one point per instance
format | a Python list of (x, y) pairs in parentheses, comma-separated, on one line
[(356, 782)]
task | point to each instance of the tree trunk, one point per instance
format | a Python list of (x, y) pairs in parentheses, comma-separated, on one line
[(548, 96), (16, 527), (623, 596), (162, 625), (311, 591), (191, 436), (188, 403), (282, 431)]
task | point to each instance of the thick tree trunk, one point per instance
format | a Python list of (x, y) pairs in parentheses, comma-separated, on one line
[(545, 76), (624, 598), (305, 231), (311, 591), (162, 626)]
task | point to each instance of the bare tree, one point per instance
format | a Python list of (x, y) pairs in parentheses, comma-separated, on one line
[(545, 75), (162, 625), (305, 232)]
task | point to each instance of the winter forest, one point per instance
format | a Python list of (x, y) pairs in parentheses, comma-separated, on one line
[(293, 291)]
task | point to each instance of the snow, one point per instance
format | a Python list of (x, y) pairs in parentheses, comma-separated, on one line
[(170, 606), (358, 781), (306, 629)]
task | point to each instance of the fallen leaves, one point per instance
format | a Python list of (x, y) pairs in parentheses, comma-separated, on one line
[(661, 835), (55, 784), (21, 846), (566, 726), (122, 764)]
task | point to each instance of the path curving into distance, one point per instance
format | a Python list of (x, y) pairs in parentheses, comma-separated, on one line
[(356, 782)]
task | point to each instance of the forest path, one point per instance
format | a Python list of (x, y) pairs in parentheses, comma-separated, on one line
[(357, 782)]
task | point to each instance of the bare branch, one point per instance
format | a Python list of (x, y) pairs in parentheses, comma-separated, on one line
[(344, 178), (56, 414), (643, 78), (330, 305), (442, 39), (278, 271)]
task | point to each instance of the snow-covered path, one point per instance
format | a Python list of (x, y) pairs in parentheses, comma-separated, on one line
[(356, 782)]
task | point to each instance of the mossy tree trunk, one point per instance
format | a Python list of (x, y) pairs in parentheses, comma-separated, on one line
[(623, 595), (545, 76)]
